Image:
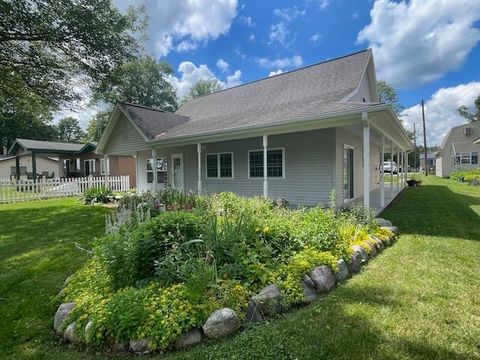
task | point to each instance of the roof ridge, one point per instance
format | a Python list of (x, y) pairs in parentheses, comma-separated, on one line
[(144, 107), (284, 73), (56, 142)]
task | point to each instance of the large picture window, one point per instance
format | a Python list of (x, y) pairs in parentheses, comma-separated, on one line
[(275, 163), (219, 165), (161, 170), (466, 158)]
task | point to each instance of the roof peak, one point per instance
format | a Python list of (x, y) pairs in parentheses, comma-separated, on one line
[(285, 73)]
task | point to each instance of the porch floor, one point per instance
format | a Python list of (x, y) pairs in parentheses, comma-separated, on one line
[(375, 198)]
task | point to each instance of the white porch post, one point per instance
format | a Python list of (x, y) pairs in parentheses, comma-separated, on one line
[(154, 168), (401, 173), (366, 160), (398, 172), (199, 161), (406, 168), (265, 174), (107, 170), (392, 150), (382, 174)]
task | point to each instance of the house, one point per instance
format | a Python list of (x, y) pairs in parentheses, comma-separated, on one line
[(74, 160), (299, 136), (44, 165), (459, 149), (431, 160)]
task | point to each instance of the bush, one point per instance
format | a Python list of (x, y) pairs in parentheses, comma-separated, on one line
[(97, 195), (466, 175)]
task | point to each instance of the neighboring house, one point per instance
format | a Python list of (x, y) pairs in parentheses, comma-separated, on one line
[(431, 160), (44, 164), (75, 160), (459, 149), (298, 136)]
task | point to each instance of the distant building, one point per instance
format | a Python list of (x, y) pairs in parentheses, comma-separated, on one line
[(459, 149), (431, 161)]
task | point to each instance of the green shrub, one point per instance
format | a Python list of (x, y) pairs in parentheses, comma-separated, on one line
[(466, 175), (97, 195)]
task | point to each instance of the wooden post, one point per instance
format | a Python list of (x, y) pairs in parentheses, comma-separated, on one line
[(199, 164), (366, 160), (265, 168)]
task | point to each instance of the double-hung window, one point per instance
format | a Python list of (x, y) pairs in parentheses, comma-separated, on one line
[(219, 165), (161, 170), (104, 166), (275, 163), (466, 158), (474, 158)]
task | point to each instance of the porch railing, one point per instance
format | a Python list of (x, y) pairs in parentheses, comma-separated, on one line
[(13, 190)]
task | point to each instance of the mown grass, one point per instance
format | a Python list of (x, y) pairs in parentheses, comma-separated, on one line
[(417, 300)]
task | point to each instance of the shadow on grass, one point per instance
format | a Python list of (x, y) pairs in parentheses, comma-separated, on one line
[(436, 211)]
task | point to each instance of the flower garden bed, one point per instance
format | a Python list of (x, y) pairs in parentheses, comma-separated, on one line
[(208, 267)]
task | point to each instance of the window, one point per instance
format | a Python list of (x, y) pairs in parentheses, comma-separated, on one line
[(474, 158), (104, 166), (219, 165), (161, 170), (275, 163), (89, 167), (466, 158)]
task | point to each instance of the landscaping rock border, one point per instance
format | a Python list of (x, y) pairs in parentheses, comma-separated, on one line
[(224, 322)]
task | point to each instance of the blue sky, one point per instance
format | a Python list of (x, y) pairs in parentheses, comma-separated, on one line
[(425, 48)]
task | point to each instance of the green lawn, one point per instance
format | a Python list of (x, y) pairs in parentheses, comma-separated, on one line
[(420, 299)]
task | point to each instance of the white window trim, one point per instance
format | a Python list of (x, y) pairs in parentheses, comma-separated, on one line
[(218, 177), (269, 177), (85, 166), (104, 170), (349, 147), (460, 156), (154, 165)]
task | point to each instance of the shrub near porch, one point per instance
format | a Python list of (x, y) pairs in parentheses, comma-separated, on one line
[(157, 275)]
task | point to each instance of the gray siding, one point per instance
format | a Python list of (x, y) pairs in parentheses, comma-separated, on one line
[(309, 161), (462, 143), (363, 91), (124, 139)]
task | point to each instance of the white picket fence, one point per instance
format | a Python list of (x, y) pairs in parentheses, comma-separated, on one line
[(26, 190)]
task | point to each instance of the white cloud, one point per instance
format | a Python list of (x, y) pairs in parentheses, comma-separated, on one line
[(222, 65), (419, 41), (280, 63), (190, 74), (186, 45), (173, 21), (323, 3), (441, 111), (273, 73), (251, 37), (279, 32), (316, 38), (247, 20)]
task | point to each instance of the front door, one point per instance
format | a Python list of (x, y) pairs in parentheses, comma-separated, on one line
[(177, 171), (347, 173), (89, 167)]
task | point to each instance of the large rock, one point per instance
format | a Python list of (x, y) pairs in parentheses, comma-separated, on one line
[(342, 272), (308, 281), (361, 251), (190, 338), (253, 315), (355, 263), (393, 229), (309, 293), (323, 278), (383, 222), (372, 247), (139, 346), (378, 244), (89, 331), (268, 299), (71, 333), (221, 322), (60, 316)]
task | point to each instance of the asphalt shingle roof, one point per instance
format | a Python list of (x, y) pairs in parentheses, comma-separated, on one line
[(49, 145), (302, 93)]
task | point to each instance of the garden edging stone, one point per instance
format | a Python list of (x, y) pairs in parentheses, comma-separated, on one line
[(220, 323), (342, 272), (323, 278), (61, 315)]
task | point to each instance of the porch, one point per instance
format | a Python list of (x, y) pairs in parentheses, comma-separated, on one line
[(375, 199)]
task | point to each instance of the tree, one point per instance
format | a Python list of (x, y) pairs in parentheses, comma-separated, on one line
[(97, 125), (204, 87), (142, 81), (471, 116), (46, 45), (388, 95), (69, 130)]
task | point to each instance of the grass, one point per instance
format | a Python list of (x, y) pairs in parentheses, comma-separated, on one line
[(418, 300)]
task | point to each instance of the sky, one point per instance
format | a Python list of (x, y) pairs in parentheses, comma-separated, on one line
[(426, 49)]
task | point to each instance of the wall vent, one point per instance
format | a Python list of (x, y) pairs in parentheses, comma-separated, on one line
[(467, 131)]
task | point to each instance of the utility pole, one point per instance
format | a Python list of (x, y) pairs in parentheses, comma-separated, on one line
[(414, 147), (424, 140)]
